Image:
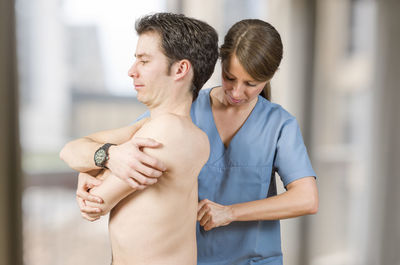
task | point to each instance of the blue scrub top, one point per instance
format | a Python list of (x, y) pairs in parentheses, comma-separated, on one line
[(270, 138)]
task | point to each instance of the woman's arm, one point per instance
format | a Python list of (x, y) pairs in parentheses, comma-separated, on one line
[(301, 198)]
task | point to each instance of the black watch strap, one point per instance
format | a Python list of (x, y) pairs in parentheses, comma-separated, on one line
[(101, 155)]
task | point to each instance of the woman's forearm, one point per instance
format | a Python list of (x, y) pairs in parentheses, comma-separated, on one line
[(300, 199)]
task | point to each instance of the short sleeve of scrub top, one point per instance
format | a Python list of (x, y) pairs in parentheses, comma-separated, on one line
[(291, 160)]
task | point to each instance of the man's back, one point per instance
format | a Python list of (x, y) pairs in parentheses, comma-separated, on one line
[(158, 225)]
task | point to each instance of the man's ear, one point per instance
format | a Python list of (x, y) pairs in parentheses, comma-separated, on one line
[(181, 69)]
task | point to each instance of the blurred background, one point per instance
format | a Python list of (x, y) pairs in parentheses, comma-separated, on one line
[(63, 75)]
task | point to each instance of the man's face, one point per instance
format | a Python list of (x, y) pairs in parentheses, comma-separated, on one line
[(150, 70)]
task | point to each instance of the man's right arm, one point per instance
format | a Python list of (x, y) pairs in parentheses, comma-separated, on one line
[(79, 153), (126, 159)]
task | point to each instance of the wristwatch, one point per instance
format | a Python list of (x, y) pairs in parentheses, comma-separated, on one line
[(101, 155)]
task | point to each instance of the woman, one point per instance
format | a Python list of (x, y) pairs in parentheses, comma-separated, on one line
[(250, 139)]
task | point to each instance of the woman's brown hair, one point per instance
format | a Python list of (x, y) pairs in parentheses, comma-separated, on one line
[(258, 47)]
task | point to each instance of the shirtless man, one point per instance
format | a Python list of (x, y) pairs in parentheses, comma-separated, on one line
[(155, 224)]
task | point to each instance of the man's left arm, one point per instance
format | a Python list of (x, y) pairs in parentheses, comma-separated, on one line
[(112, 190)]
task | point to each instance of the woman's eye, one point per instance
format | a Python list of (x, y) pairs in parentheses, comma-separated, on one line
[(250, 84), (229, 78)]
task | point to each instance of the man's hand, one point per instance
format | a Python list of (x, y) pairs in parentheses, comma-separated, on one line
[(128, 162), (85, 183), (211, 214)]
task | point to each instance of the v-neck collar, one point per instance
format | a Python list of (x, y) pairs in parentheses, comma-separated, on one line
[(242, 128)]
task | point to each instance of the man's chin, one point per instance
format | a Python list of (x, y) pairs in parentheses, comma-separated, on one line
[(142, 99)]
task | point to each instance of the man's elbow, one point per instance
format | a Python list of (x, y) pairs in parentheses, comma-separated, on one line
[(66, 155), (63, 155)]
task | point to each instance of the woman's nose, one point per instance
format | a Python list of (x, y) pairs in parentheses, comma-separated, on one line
[(237, 91)]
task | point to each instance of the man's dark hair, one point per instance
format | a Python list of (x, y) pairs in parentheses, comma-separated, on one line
[(185, 38)]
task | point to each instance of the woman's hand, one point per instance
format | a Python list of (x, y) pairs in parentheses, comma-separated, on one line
[(211, 214), (85, 183)]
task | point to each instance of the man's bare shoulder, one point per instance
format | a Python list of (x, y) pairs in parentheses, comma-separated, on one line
[(178, 135)]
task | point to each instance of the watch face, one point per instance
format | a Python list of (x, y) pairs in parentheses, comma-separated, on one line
[(100, 156)]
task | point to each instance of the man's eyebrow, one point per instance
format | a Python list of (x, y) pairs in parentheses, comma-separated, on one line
[(141, 55)]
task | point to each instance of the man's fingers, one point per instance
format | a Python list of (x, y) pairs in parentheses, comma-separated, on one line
[(88, 179), (141, 179), (132, 183), (153, 163), (87, 217), (93, 181), (141, 187), (146, 170), (81, 203), (90, 210), (85, 182), (146, 159), (84, 209), (145, 142), (94, 216), (88, 197)]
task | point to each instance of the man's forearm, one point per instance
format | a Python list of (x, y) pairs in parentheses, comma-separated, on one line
[(79, 154), (112, 190)]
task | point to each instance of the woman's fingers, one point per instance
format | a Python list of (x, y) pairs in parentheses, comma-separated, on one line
[(205, 219)]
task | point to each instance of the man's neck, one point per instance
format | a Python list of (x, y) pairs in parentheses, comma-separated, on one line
[(179, 106)]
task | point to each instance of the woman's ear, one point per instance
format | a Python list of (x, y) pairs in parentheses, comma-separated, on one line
[(181, 69)]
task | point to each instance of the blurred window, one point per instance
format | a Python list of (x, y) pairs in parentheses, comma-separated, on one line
[(341, 132)]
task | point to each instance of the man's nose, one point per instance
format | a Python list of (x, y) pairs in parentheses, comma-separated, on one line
[(132, 72)]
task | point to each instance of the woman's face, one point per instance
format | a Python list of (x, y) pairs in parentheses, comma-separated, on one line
[(239, 87)]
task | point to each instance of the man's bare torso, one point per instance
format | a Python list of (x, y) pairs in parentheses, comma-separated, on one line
[(158, 225)]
